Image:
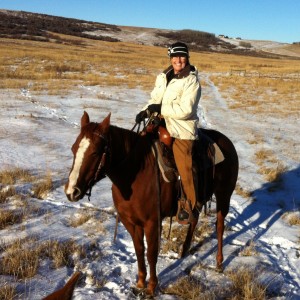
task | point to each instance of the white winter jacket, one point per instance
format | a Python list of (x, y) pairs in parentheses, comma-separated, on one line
[(179, 99)]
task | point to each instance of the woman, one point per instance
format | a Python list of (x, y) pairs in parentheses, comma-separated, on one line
[(176, 97)]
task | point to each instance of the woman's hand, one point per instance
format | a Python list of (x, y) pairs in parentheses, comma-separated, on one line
[(142, 115), (152, 108)]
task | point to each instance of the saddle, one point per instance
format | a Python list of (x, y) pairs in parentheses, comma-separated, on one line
[(206, 154)]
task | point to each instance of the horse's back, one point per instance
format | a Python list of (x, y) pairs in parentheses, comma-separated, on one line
[(224, 143), (225, 173)]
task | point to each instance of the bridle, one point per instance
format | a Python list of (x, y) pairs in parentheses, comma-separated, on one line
[(98, 176), (102, 162)]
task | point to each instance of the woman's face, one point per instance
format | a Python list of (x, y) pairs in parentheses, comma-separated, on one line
[(178, 63)]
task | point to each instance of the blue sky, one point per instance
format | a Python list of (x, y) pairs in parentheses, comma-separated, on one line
[(276, 20)]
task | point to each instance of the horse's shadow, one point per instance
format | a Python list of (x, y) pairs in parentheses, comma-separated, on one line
[(268, 204)]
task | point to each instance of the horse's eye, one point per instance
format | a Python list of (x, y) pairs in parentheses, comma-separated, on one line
[(73, 149), (95, 154)]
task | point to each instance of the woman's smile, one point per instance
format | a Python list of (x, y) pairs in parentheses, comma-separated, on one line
[(178, 63)]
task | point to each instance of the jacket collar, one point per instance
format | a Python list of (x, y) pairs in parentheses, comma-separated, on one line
[(184, 73)]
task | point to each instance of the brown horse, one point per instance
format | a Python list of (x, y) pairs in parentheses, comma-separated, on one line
[(141, 197)]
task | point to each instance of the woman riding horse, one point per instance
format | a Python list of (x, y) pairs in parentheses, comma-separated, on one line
[(176, 97)]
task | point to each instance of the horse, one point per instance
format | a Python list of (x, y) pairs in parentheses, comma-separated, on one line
[(141, 196), (66, 292)]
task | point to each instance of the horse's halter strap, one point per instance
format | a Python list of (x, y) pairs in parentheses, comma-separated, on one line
[(100, 167)]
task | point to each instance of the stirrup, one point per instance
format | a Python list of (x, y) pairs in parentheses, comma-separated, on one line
[(184, 214)]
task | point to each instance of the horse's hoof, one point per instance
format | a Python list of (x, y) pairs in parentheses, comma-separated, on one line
[(141, 293), (219, 268), (137, 291), (147, 295)]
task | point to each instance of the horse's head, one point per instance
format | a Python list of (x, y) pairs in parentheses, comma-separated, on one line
[(89, 152)]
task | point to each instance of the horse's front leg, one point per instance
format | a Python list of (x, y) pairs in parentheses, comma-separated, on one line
[(138, 241), (137, 235), (188, 239), (153, 232)]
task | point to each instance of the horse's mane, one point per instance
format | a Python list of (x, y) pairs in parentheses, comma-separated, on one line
[(129, 153), (131, 142), (127, 149)]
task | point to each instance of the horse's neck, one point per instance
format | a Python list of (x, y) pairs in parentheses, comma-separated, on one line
[(128, 152), (122, 141)]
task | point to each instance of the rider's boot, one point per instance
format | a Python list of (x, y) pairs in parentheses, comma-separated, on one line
[(187, 211)]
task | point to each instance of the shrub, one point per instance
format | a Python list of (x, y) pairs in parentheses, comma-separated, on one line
[(245, 44)]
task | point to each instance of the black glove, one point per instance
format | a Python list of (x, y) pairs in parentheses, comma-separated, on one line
[(142, 115), (154, 108)]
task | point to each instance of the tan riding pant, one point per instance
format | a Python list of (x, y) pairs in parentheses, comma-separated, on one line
[(183, 158)]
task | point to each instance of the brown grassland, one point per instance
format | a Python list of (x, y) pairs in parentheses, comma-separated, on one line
[(57, 67)]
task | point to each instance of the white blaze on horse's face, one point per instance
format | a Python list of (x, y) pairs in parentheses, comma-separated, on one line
[(83, 146)]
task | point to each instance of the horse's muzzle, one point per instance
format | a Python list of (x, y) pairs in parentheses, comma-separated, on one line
[(75, 195)]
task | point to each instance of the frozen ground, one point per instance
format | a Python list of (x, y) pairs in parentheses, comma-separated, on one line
[(36, 133)]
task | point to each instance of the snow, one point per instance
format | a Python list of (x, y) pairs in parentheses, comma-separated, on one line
[(263, 45), (37, 132)]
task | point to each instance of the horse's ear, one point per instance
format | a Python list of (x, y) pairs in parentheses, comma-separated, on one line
[(106, 123), (85, 119)]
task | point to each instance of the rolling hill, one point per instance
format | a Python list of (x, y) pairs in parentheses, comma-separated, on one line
[(41, 27)]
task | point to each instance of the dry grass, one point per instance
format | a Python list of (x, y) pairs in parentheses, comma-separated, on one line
[(21, 258), (242, 191), (7, 292), (270, 167), (245, 284), (41, 189), (17, 212), (61, 252), (57, 68), (293, 218), (10, 217), (189, 288), (273, 174), (178, 234), (79, 219), (17, 174), (264, 155), (249, 250), (7, 193), (91, 220), (261, 95)]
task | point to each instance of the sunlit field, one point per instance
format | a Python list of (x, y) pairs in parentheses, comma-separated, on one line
[(257, 84)]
